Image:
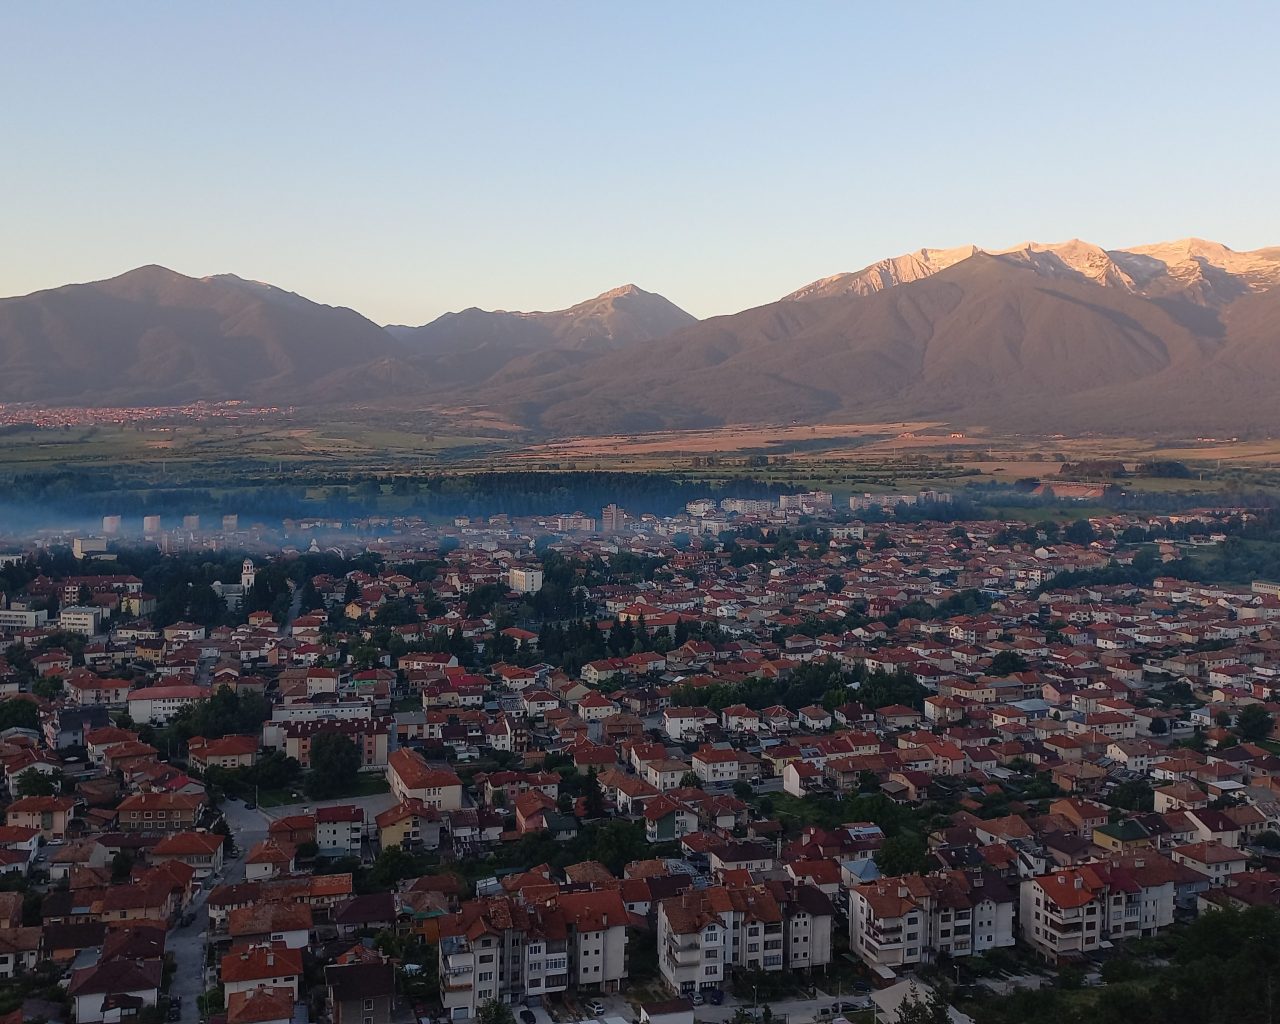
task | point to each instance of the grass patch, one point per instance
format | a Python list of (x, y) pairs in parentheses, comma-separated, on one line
[(362, 785)]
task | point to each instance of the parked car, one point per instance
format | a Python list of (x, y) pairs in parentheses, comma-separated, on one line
[(527, 1017), (715, 996), (595, 1008), (697, 999)]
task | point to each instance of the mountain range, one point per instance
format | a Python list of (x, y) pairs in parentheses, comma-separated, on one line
[(1174, 337)]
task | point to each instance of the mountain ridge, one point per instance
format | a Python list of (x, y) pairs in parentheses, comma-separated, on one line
[(1042, 337)]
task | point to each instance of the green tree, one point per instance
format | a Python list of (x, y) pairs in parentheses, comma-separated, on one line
[(34, 783), (1080, 532), (615, 844), (1007, 662), (1254, 722), (1135, 795), (928, 1009), (392, 866), (16, 713), (690, 780), (491, 1011), (121, 867), (1159, 727), (50, 687), (903, 854), (593, 795), (335, 762)]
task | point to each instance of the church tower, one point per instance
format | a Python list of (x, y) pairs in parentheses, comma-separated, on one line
[(247, 574)]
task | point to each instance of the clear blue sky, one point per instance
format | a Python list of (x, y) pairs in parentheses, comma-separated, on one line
[(407, 159)]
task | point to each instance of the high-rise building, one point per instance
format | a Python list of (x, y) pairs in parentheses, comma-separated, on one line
[(110, 525), (612, 518), (524, 580)]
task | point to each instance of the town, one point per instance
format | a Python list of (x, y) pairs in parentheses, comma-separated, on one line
[(767, 758)]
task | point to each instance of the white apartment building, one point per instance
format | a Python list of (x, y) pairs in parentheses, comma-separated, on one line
[(703, 934), (524, 580), (712, 765), (80, 619), (154, 704), (339, 831), (517, 952), (912, 919), (1075, 910)]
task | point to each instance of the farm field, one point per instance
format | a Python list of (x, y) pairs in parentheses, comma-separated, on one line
[(340, 443), (844, 458)]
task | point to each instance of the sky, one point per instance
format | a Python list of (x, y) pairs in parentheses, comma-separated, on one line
[(407, 159)]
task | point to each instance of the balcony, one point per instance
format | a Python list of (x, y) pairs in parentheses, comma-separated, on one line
[(459, 979), (459, 965)]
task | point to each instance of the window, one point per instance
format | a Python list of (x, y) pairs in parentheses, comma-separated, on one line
[(368, 1004)]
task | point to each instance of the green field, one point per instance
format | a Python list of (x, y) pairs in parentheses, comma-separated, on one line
[(331, 456), (363, 785), (341, 444)]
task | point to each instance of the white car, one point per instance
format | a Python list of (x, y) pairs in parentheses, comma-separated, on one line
[(595, 1008)]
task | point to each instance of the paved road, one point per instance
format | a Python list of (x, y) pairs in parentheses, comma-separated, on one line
[(794, 1011), (373, 806), (188, 944), (248, 827), (295, 606)]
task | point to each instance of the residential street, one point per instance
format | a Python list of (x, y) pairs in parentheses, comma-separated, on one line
[(794, 1011), (373, 805), (187, 944)]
